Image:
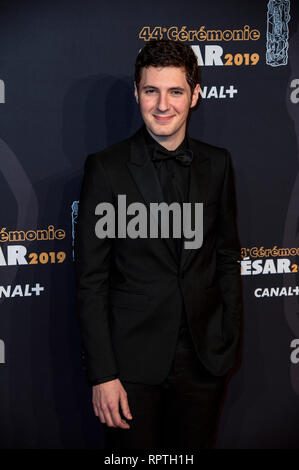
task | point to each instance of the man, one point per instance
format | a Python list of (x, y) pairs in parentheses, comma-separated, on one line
[(160, 322)]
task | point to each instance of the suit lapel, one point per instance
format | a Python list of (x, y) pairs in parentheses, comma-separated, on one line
[(198, 190), (144, 174)]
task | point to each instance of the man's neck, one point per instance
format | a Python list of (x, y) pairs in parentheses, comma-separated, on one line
[(169, 142)]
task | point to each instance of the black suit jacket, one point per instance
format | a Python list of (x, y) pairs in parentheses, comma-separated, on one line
[(131, 291)]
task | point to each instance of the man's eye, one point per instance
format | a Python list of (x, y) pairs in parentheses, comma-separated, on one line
[(149, 92), (177, 92)]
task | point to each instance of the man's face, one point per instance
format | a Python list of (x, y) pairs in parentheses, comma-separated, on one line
[(165, 99)]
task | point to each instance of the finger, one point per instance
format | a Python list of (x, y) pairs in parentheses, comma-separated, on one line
[(125, 406), (102, 417), (95, 408), (117, 420), (98, 412), (107, 417), (96, 402)]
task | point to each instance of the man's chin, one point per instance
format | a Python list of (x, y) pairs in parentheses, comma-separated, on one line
[(161, 131)]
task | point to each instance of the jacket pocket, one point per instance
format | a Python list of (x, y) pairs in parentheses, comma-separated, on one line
[(228, 330), (128, 300), (210, 204)]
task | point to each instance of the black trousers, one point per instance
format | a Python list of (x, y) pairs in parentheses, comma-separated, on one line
[(180, 413)]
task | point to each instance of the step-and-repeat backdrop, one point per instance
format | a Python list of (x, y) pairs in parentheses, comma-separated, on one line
[(66, 90)]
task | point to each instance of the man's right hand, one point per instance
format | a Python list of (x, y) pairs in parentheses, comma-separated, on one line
[(106, 398)]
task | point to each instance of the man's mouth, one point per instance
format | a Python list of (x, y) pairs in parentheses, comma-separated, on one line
[(162, 118)]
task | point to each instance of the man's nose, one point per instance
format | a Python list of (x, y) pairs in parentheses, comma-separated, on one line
[(163, 104)]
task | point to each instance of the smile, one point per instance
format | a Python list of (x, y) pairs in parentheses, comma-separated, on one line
[(163, 118)]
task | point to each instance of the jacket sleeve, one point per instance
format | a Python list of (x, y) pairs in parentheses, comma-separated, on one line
[(228, 251), (92, 268)]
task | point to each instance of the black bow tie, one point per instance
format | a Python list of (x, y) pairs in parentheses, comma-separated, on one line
[(184, 157)]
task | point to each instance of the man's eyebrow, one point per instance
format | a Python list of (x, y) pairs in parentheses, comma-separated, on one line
[(149, 86), (156, 88), (177, 88)]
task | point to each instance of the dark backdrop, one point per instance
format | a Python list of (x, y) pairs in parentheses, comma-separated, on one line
[(66, 90)]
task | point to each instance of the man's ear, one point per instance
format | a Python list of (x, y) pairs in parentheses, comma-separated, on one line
[(195, 96), (136, 93)]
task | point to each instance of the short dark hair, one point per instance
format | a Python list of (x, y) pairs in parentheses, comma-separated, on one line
[(168, 53)]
